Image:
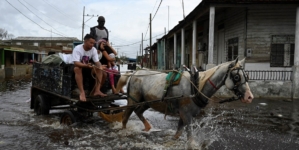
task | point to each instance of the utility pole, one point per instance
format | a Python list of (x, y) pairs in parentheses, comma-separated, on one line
[(142, 50), (183, 9), (168, 18), (139, 52), (165, 30), (83, 23), (150, 48)]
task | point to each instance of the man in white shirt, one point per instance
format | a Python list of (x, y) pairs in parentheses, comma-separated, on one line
[(82, 54)]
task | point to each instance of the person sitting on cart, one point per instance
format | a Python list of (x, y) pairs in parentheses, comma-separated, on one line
[(108, 58), (82, 55)]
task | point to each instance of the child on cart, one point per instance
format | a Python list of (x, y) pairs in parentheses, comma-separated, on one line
[(108, 58)]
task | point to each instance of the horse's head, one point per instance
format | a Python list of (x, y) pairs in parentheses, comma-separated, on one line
[(237, 80)]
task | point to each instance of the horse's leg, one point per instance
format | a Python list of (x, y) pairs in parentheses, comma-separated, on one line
[(185, 120), (189, 130), (126, 116), (139, 112), (179, 130)]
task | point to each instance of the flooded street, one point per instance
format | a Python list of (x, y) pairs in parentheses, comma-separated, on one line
[(263, 124)]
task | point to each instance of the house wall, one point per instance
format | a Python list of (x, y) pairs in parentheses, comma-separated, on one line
[(234, 26), (43, 43), (256, 24), (188, 47), (263, 22), (178, 51), (203, 55), (20, 71), (170, 52), (160, 49)]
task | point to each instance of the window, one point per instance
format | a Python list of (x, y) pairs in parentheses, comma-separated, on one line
[(18, 43), (282, 51), (33, 44), (232, 49), (70, 45), (58, 44), (48, 44)]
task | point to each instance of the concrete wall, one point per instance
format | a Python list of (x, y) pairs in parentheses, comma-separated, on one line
[(21, 71), (2, 75), (264, 89)]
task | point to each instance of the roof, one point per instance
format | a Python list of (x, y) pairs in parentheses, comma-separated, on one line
[(252, 1), (16, 49), (31, 38), (204, 6)]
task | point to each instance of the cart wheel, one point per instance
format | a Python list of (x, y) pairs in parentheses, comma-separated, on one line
[(41, 105), (68, 118)]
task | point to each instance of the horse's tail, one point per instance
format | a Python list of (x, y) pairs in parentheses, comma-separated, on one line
[(122, 81)]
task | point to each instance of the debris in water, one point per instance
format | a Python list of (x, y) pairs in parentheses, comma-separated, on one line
[(263, 104)]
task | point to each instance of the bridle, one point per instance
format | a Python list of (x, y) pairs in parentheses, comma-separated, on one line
[(236, 78)]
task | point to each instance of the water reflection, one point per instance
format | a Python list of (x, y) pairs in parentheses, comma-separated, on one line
[(13, 84)]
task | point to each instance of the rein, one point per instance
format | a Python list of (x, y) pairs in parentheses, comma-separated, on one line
[(214, 86), (235, 79), (160, 72)]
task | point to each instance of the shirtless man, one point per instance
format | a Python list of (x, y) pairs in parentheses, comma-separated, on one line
[(82, 54)]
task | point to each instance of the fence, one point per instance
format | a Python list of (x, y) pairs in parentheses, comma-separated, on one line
[(269, 75)]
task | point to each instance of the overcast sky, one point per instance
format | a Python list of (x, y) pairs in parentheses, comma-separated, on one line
[(126, 20)]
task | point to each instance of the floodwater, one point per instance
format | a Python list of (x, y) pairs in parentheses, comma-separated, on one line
[(264, 124)]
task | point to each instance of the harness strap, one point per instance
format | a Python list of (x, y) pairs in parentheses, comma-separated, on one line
[(166, 88), (132, 98), (214, 86), (168, 84), (201, 102)]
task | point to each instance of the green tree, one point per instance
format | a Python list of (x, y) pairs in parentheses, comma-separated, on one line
[(123, 58)]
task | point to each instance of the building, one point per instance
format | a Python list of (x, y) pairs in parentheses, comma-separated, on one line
[(17, 54), (217, 31)]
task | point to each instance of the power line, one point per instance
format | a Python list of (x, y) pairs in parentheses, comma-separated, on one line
[(146, 31), (157, 10), (40, 18), (153, 17), (32, 20), (58, 10), (154, 5), (136, 42), (47, 16)]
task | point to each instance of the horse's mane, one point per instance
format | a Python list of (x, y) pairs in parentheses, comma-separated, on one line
[(205, 75)]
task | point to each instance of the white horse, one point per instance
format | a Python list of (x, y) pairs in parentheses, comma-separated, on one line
[(147, 85)]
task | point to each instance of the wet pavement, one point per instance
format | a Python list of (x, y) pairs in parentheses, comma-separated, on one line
[(264, 124)]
